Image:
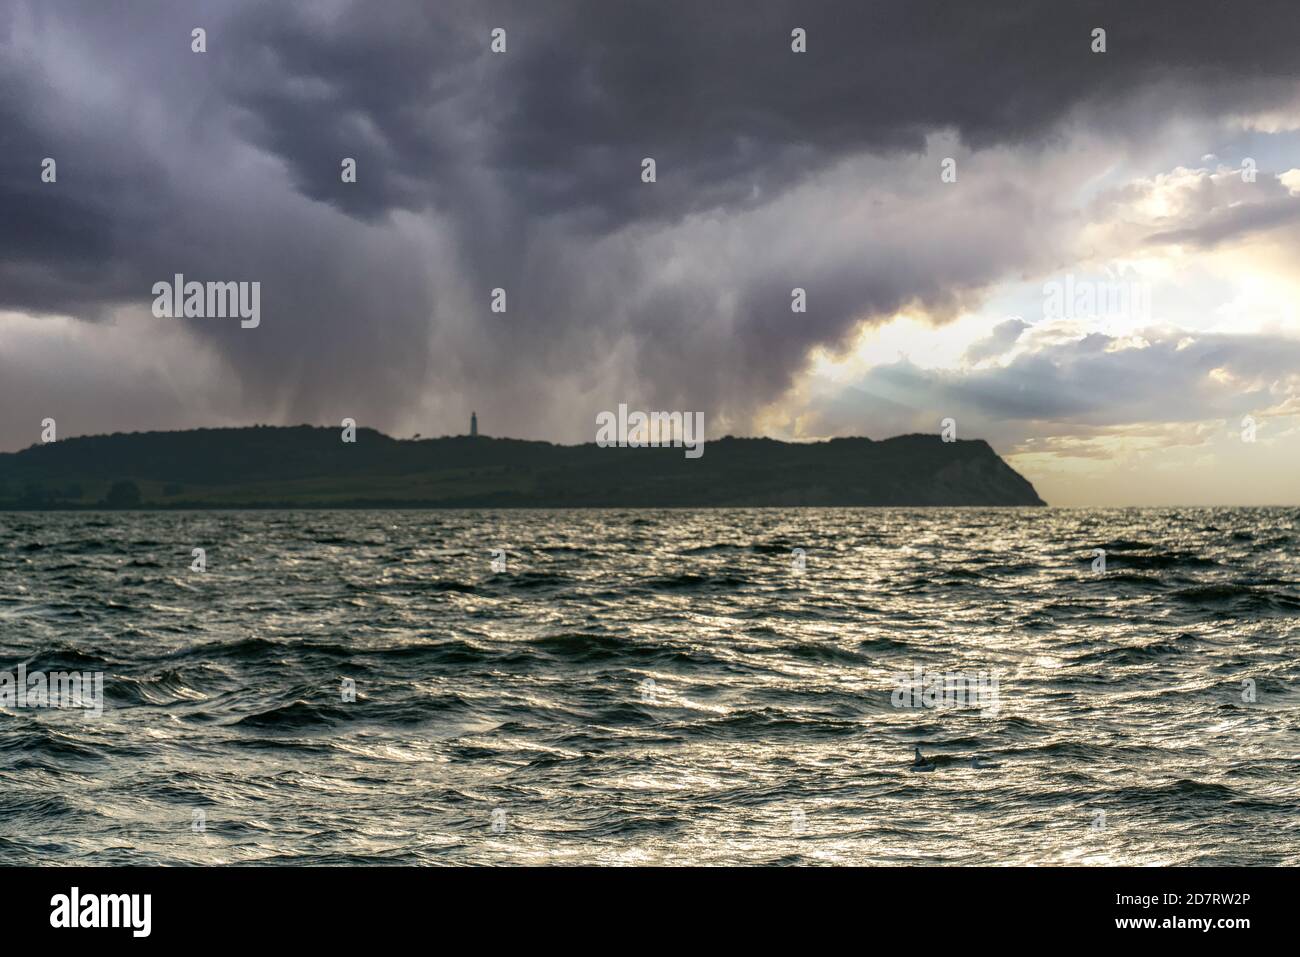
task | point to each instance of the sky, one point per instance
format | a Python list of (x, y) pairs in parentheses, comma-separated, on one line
[(1107, 290)]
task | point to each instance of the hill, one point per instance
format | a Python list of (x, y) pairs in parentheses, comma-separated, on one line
[(311, 467)]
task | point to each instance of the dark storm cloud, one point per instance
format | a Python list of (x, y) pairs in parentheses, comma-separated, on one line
[(522, 171), (62, 247), (710, 90)]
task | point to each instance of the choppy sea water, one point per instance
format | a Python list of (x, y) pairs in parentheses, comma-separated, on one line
[(647, 687)]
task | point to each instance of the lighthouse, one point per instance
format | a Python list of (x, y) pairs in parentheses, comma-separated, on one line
[(473, 424)]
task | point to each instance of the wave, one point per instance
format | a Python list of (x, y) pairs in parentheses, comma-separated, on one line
[(296, 716), (691, 581), (1252, 597)]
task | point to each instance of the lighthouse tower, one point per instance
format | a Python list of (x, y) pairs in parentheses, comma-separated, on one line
[(473, 424)]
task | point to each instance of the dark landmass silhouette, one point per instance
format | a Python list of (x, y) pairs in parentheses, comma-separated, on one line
[(311, 467)]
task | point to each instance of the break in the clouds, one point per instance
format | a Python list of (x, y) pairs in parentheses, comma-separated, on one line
[(521, 170)]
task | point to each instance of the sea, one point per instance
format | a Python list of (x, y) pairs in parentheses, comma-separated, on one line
[(651, 687)]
